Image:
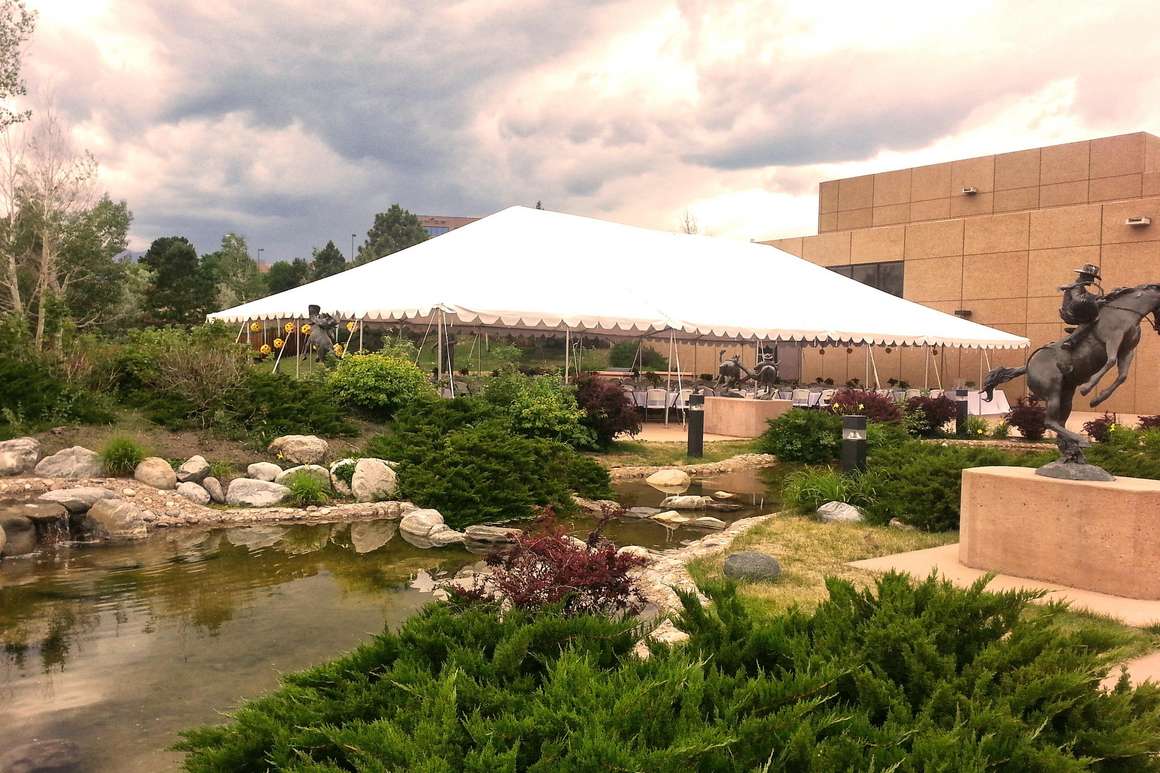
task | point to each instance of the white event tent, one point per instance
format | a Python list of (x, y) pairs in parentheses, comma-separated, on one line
[(533, 270)]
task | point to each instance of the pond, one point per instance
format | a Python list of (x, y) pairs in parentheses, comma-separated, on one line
[(119, 647)]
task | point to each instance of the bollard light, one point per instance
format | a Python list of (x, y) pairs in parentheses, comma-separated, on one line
[(960, 412), (853, 443), (695, 421)]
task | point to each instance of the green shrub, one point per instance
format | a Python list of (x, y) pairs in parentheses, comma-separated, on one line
[(463, 458), (809, 437), (306, 490), (1130, 452), (345, 471), (624, 354), (804, 491), (899, 677), (920, 483), (977, 427), (541, 406), (223, 471), (120, 457), (1001, 431), (272, 404), (377, 385), (35, 394)]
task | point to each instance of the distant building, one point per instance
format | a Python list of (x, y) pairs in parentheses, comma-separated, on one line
[(437, 225)]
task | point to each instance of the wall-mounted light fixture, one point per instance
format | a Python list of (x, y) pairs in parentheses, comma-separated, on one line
[(970, 190), (1138, 221)]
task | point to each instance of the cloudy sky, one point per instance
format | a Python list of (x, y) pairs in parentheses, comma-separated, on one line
[(294, 121)]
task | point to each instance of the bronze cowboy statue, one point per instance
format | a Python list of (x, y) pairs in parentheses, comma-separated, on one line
[(1106, 335), (731, 373), (765, 374), (322, 327)]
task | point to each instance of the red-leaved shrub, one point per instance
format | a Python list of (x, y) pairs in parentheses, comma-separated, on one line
[(1097, 429), (547, 567), (872, 405), (1029, 417), (1149, 422), (936, 411), (608, 410)]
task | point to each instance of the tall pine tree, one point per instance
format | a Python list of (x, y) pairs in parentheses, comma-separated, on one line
[(180, 289), (327, 262), (393, 230)]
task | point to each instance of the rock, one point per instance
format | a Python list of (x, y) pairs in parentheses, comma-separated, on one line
[(688, 502), (52, 755), (635, 550), (672, 518), (35, 511), (369, 536), (156, 472), (18, 456), (373, 481), (266, 471), (751, 565), (576, 542), (597, 505), (195, 469), (708, 522), (76, 500), (255, 493), (129, 492), (446, 536), (425, 528), (1072, 471), (3, 540), (840, 512), (213, 487), (319, 473), (669, 478), (337, 482), (491, 535), (300, 449), (897, 523), (193, 492), (665, 633), (256, 537), (723, 495), (641, 512), (75, 462), (115, 519), (20, 535)]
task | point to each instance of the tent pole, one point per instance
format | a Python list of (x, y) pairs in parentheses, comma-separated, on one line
[(987, 354), (278, 359), (669, 377), (238, 340), (979, 383), (360, 339), (439, 351), (866, 383), (926, 368), (937, 375), (874, 365), (679, 385), (297, 348), (450, 359), (567, 351)]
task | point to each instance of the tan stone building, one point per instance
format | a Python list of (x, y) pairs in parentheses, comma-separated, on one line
[(992, 239)]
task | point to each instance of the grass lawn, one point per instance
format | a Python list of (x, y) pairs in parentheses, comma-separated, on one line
[(810, 551), (636, 453)]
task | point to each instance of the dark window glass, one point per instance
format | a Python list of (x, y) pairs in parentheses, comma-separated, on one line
[(866, 273), (436, 230), (843, 270), (890, 278)]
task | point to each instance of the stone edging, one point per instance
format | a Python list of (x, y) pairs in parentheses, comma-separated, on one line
[(705, 469)]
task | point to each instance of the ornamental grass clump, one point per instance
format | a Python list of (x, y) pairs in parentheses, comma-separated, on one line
[(120, 457), (804, 491), (306, 490), (900, 676)]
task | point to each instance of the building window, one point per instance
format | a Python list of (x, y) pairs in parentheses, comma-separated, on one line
[(436, 230), (886, 277)]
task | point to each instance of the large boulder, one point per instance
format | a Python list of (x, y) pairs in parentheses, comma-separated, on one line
[(195, 469), (213, 487), (337, 481), (669, 478), (491, 535), (116, 519), (373, 481), (840, 512), (318, 472), (686, 502), (300, 449), (751, 565), (369, 536), (266, 471), (156, 472), (76, 500), (3, 540), (75, 462), (193, 492), (37, 512), (255, 493), (19, 455), (425, 529), (20, 534)]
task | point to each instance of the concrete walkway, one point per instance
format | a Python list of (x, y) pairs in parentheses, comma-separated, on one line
[(945, 561)]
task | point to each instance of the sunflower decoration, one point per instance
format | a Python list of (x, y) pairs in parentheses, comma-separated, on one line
[(338, 350), (350, 326), (255, 327), (288, 327), (278, 343), (305, 329), (265, 350)]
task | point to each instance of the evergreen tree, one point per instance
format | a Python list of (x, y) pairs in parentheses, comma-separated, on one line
[(180, 289), (327, 261), (393, 230), (285, 275)]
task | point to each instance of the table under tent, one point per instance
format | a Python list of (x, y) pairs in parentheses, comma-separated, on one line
[(540, 273)]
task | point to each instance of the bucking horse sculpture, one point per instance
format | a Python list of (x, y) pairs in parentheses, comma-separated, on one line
[(731, 374), (1055, 371), (321, 336)]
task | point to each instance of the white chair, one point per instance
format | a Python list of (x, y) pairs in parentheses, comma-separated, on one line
[(825, 397), (909, 393), (655, 398), (935, 393), (800, 398), (630, 393)]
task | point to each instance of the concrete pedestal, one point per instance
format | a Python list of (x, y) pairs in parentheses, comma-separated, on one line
[(741, 417), (1098, 536)]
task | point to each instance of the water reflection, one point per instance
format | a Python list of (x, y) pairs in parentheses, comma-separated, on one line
[(118, 647)]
